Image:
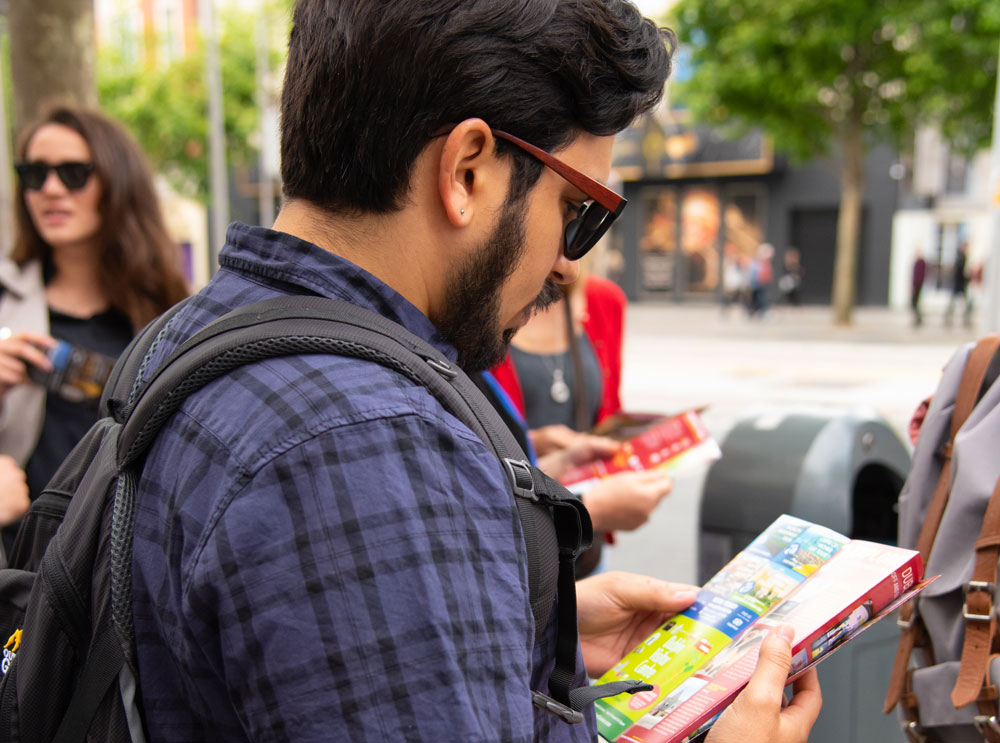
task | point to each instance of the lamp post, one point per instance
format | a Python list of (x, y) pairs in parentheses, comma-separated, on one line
[(218, 181), (6, 193), (989, 321)]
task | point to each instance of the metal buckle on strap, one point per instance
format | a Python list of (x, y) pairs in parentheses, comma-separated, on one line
[(560, 710), (442, 367), (985, 587), (913, 732), (521, 480), (982, 722)]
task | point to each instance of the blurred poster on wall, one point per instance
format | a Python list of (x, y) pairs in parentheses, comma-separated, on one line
[(701, 218), (658, 242)]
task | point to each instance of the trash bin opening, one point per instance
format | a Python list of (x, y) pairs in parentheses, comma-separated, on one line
[(874, 515)]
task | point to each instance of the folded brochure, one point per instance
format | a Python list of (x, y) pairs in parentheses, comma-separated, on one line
[(668, 443), (826, 586)]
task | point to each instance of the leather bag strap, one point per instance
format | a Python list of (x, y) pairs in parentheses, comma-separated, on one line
[(979, 611)]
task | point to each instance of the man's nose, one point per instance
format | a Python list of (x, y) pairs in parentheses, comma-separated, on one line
[(565, 271)]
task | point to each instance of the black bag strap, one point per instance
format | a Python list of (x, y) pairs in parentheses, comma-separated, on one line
[(104, 662), (128, 369)]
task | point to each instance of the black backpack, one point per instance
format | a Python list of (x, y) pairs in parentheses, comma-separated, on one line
[(69, 669)]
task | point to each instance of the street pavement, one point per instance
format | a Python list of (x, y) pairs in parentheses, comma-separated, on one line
[(678, 357)]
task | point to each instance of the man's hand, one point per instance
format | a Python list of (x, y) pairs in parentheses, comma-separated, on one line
[(13, 491), (625, 500), (757, 716), (616, 611)]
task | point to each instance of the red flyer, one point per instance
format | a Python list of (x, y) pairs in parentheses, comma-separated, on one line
[(669, 443)]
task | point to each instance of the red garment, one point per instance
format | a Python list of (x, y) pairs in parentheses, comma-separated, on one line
[(604, 324)]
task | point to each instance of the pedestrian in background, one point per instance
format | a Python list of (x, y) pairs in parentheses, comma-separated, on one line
[(790, 283), (735, 281), (916, 286), (92, 263), (960, 287), (761, 274)]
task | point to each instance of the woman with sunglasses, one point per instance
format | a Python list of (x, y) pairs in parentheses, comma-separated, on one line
[(92, 264)]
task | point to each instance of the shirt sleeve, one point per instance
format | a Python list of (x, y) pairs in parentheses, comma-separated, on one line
[(369, 584)]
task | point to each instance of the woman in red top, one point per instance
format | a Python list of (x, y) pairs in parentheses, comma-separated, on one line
[(540, 375)]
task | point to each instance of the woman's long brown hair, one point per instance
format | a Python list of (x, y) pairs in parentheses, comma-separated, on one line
[(139, 265)]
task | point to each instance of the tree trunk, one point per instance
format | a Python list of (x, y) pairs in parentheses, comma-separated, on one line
[(852, 186), (52, 51)]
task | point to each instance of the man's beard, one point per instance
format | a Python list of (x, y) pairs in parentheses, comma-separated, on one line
[(471, 319)]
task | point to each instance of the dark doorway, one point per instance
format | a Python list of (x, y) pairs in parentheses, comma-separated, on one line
[(814, 233)]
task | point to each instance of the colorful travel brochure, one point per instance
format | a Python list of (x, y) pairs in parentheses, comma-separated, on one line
[(826, 586), (669, 443)]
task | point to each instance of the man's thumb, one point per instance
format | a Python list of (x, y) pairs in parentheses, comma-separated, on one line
[(773, 663)]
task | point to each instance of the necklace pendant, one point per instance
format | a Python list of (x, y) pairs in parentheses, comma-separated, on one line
[(559, 391)]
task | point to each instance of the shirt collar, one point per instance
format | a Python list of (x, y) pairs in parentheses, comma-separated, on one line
[(300, 267)]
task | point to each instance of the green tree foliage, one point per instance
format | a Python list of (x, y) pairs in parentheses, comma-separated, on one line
[(835, 77), (165, 106)]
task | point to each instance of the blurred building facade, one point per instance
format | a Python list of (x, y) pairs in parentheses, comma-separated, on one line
[(944, 202), (701, 199), (152, 31)]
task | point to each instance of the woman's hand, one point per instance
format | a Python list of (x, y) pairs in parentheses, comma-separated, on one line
[(585, 448), (17, 351), (625, 500), (759, 714), (548, 439), (13, 491), (616, 611)]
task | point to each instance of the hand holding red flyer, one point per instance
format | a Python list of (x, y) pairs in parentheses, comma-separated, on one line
[(668, 443)]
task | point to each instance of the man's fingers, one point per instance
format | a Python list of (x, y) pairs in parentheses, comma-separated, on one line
[(807, 702), (642, 593), (773, 664)]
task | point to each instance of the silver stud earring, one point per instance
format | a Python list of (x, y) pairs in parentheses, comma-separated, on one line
[(461, 211)]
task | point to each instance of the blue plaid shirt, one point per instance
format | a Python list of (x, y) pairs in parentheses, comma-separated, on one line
[(322, 553)]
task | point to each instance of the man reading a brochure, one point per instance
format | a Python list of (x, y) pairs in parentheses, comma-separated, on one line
[(322, 552)]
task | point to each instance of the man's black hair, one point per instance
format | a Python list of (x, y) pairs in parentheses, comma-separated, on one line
[(368, 82)]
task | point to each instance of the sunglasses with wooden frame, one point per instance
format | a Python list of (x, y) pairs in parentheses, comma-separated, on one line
[(593, 217)]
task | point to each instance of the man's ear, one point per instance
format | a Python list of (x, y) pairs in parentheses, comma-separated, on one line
[(467, 171)]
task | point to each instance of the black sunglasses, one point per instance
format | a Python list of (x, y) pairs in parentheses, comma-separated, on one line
[(594, 216), (73, 175)]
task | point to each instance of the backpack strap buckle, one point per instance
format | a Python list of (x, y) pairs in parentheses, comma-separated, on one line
[(519, 473), (559, 709), (974, 586), (913, 732), (986, 723)]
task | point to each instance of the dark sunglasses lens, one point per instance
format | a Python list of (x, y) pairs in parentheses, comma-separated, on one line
[(32, 175), (73, 175), (589, 226)]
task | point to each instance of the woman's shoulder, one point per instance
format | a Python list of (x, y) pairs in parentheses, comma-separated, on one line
[(22, 279), (604, 291)]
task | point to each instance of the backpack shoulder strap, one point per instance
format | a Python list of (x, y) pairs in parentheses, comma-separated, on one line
[(299, 325), (980, 367), (128, 369)]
